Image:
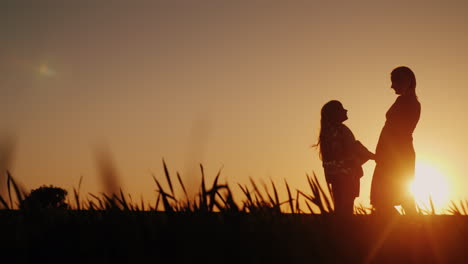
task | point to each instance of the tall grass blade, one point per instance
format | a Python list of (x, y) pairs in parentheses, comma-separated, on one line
[(249, 203), (320, 197), (9, 189), (230, 201), (91, 205), (327, 202), (275, 192), (157, 202), (76, 194), (290, 197), (463, 208), (315, 198), (361, 210), (101, 205), (215, 190), (142, 203), (419, 209), (122, 200), (310, 208), (168, 177), (203, 195), (270, 198), (183, 187), (297, 202), (215, 182), (18, 192), (109, 201), (131, 205), (94, 196), (4, 203), (431, 203), (164, 196), (77, 199), (257, 193), (457, 209)]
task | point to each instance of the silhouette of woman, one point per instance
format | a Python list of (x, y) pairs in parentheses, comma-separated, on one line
[(342, 156), (395, 156)]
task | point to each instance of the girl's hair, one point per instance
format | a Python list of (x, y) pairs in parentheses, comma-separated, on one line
[(406, 73), (329, 116)]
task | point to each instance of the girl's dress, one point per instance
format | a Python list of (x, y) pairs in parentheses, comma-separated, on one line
[(342, 158)]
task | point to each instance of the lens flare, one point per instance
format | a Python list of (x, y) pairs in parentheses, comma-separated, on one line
[(45, 70)]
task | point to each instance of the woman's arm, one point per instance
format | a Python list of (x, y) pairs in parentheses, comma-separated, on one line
[(362, 153)]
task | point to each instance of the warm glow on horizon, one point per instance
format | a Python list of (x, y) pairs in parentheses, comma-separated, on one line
[(430, 182)]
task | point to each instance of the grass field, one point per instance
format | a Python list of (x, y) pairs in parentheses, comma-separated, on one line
[(137, 237), (212, 227)]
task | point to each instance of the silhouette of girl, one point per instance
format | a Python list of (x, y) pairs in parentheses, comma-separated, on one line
[(395, 156), (342, 156)]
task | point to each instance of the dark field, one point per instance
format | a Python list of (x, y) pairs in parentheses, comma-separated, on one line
[(141, 237), (44, 227)]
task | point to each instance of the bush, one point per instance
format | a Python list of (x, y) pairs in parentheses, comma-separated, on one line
[(45, 197)]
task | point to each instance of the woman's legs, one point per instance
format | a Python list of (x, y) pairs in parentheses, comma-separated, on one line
[(409, 205), (384, 207)]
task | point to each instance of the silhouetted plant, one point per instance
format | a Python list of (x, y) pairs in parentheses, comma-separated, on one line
[(461, 209), (45, 197)]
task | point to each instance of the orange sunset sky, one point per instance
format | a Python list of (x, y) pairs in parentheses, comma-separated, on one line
[(237, 84)]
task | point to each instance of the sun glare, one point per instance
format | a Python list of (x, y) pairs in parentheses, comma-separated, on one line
[(430, 182), (45, 70)]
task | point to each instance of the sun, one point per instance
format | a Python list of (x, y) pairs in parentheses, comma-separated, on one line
[(430, 183)]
